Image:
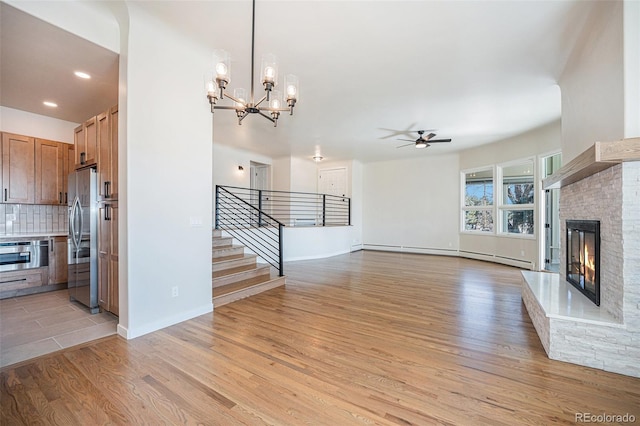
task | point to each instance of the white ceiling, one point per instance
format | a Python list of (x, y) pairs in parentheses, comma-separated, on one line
[(370, 71), (37, 61)]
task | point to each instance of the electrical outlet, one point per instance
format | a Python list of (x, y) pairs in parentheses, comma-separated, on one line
[(174, 291), (521, 252)]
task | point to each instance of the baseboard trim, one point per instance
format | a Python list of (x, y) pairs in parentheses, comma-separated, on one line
[(129, 333), (409, 249)]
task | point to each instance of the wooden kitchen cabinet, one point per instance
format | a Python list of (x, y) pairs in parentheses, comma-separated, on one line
[(18, 169), (108, 155), (68, 166), (58, 265), (49, 169), (86, 143), (108, 257)]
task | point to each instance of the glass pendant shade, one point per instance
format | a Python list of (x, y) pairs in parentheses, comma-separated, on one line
[(275, 102), (210, 85), (222, 66), (269, 70), (291, 87), (241, 95)]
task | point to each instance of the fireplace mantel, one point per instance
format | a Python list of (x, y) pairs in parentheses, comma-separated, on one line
[(600, 156)]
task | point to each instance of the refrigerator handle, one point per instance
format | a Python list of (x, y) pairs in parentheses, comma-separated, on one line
[(81, 222), (72, 221)]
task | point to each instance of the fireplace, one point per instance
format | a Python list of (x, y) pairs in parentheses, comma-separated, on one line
[(583, 257)]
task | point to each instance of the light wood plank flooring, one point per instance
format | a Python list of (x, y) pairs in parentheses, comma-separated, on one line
[(364, 338), (42, 323)]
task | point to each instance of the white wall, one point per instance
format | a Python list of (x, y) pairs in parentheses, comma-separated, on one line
[(304, 175), (632, 68), (35, 125), (412, 204), (169, 169), (593, 83), (504, 248), (281, 174), (226, 160)]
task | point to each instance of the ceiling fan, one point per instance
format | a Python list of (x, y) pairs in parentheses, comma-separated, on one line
[(423, 142)]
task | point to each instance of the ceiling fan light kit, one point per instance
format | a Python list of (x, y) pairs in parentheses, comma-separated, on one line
[(423, 142), (219, 77)]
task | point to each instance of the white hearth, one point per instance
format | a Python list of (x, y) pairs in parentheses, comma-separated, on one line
[(570, 326)]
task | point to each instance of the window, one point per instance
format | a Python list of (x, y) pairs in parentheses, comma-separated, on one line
[(478, 201), (517, 199)]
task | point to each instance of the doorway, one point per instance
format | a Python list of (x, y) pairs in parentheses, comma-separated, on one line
[(333, 181), (259, 181), (551, 216)]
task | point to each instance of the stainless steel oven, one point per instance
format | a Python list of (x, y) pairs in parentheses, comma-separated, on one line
[(15, 255)]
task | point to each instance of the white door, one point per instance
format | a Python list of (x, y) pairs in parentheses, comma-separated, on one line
[(259, 180), (333, 181)]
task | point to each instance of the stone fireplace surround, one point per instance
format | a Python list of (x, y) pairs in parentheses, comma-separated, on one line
[(571, 327)]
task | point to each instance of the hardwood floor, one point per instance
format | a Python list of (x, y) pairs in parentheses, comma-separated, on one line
[(42, 323), (364, 338)]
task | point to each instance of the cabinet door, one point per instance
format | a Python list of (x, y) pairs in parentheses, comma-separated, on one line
[(68, 167), (91, 130), (114, 152), (108, 257), (86, 143), (49, 172), (58, 268), (80, 143), (104, 238), (18, 164), (104, 156), (114, 302)]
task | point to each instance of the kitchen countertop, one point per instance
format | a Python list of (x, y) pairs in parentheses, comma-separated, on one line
[(31, 236)]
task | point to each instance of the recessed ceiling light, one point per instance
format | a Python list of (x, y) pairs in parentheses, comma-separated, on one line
[(50, 104), (82, 74)]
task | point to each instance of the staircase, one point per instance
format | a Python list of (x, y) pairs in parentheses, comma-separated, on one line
[(237, 275)]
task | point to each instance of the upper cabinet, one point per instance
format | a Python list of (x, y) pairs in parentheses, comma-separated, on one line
[(107, 123), (86, 143), (18, 169), (52, 171), (34, 171), (50, 185)]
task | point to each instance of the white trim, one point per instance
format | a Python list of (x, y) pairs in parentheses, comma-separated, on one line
[(317, 256), (413, 250), (165, 322)]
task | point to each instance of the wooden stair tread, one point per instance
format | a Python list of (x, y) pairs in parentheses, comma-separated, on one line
[(241, 285), (237, 269), (233, 257), (246, 288)]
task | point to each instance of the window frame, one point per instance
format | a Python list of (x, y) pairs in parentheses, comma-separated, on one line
[(464, 208), (502, 207)]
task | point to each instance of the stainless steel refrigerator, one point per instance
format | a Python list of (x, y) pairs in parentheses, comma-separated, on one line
[(83, 238)]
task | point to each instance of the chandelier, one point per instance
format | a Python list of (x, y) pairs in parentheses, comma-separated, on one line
[(270, 105)]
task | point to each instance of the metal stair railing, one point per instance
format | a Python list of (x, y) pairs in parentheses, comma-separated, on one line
[(257, 230), (297, 208)]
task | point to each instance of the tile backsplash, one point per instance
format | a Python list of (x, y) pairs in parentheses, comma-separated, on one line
[(32, 218)]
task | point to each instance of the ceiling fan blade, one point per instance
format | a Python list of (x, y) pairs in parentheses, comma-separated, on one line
[(396, 132), (408, 140), (430, 135), (439, 140), (407, 144)]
